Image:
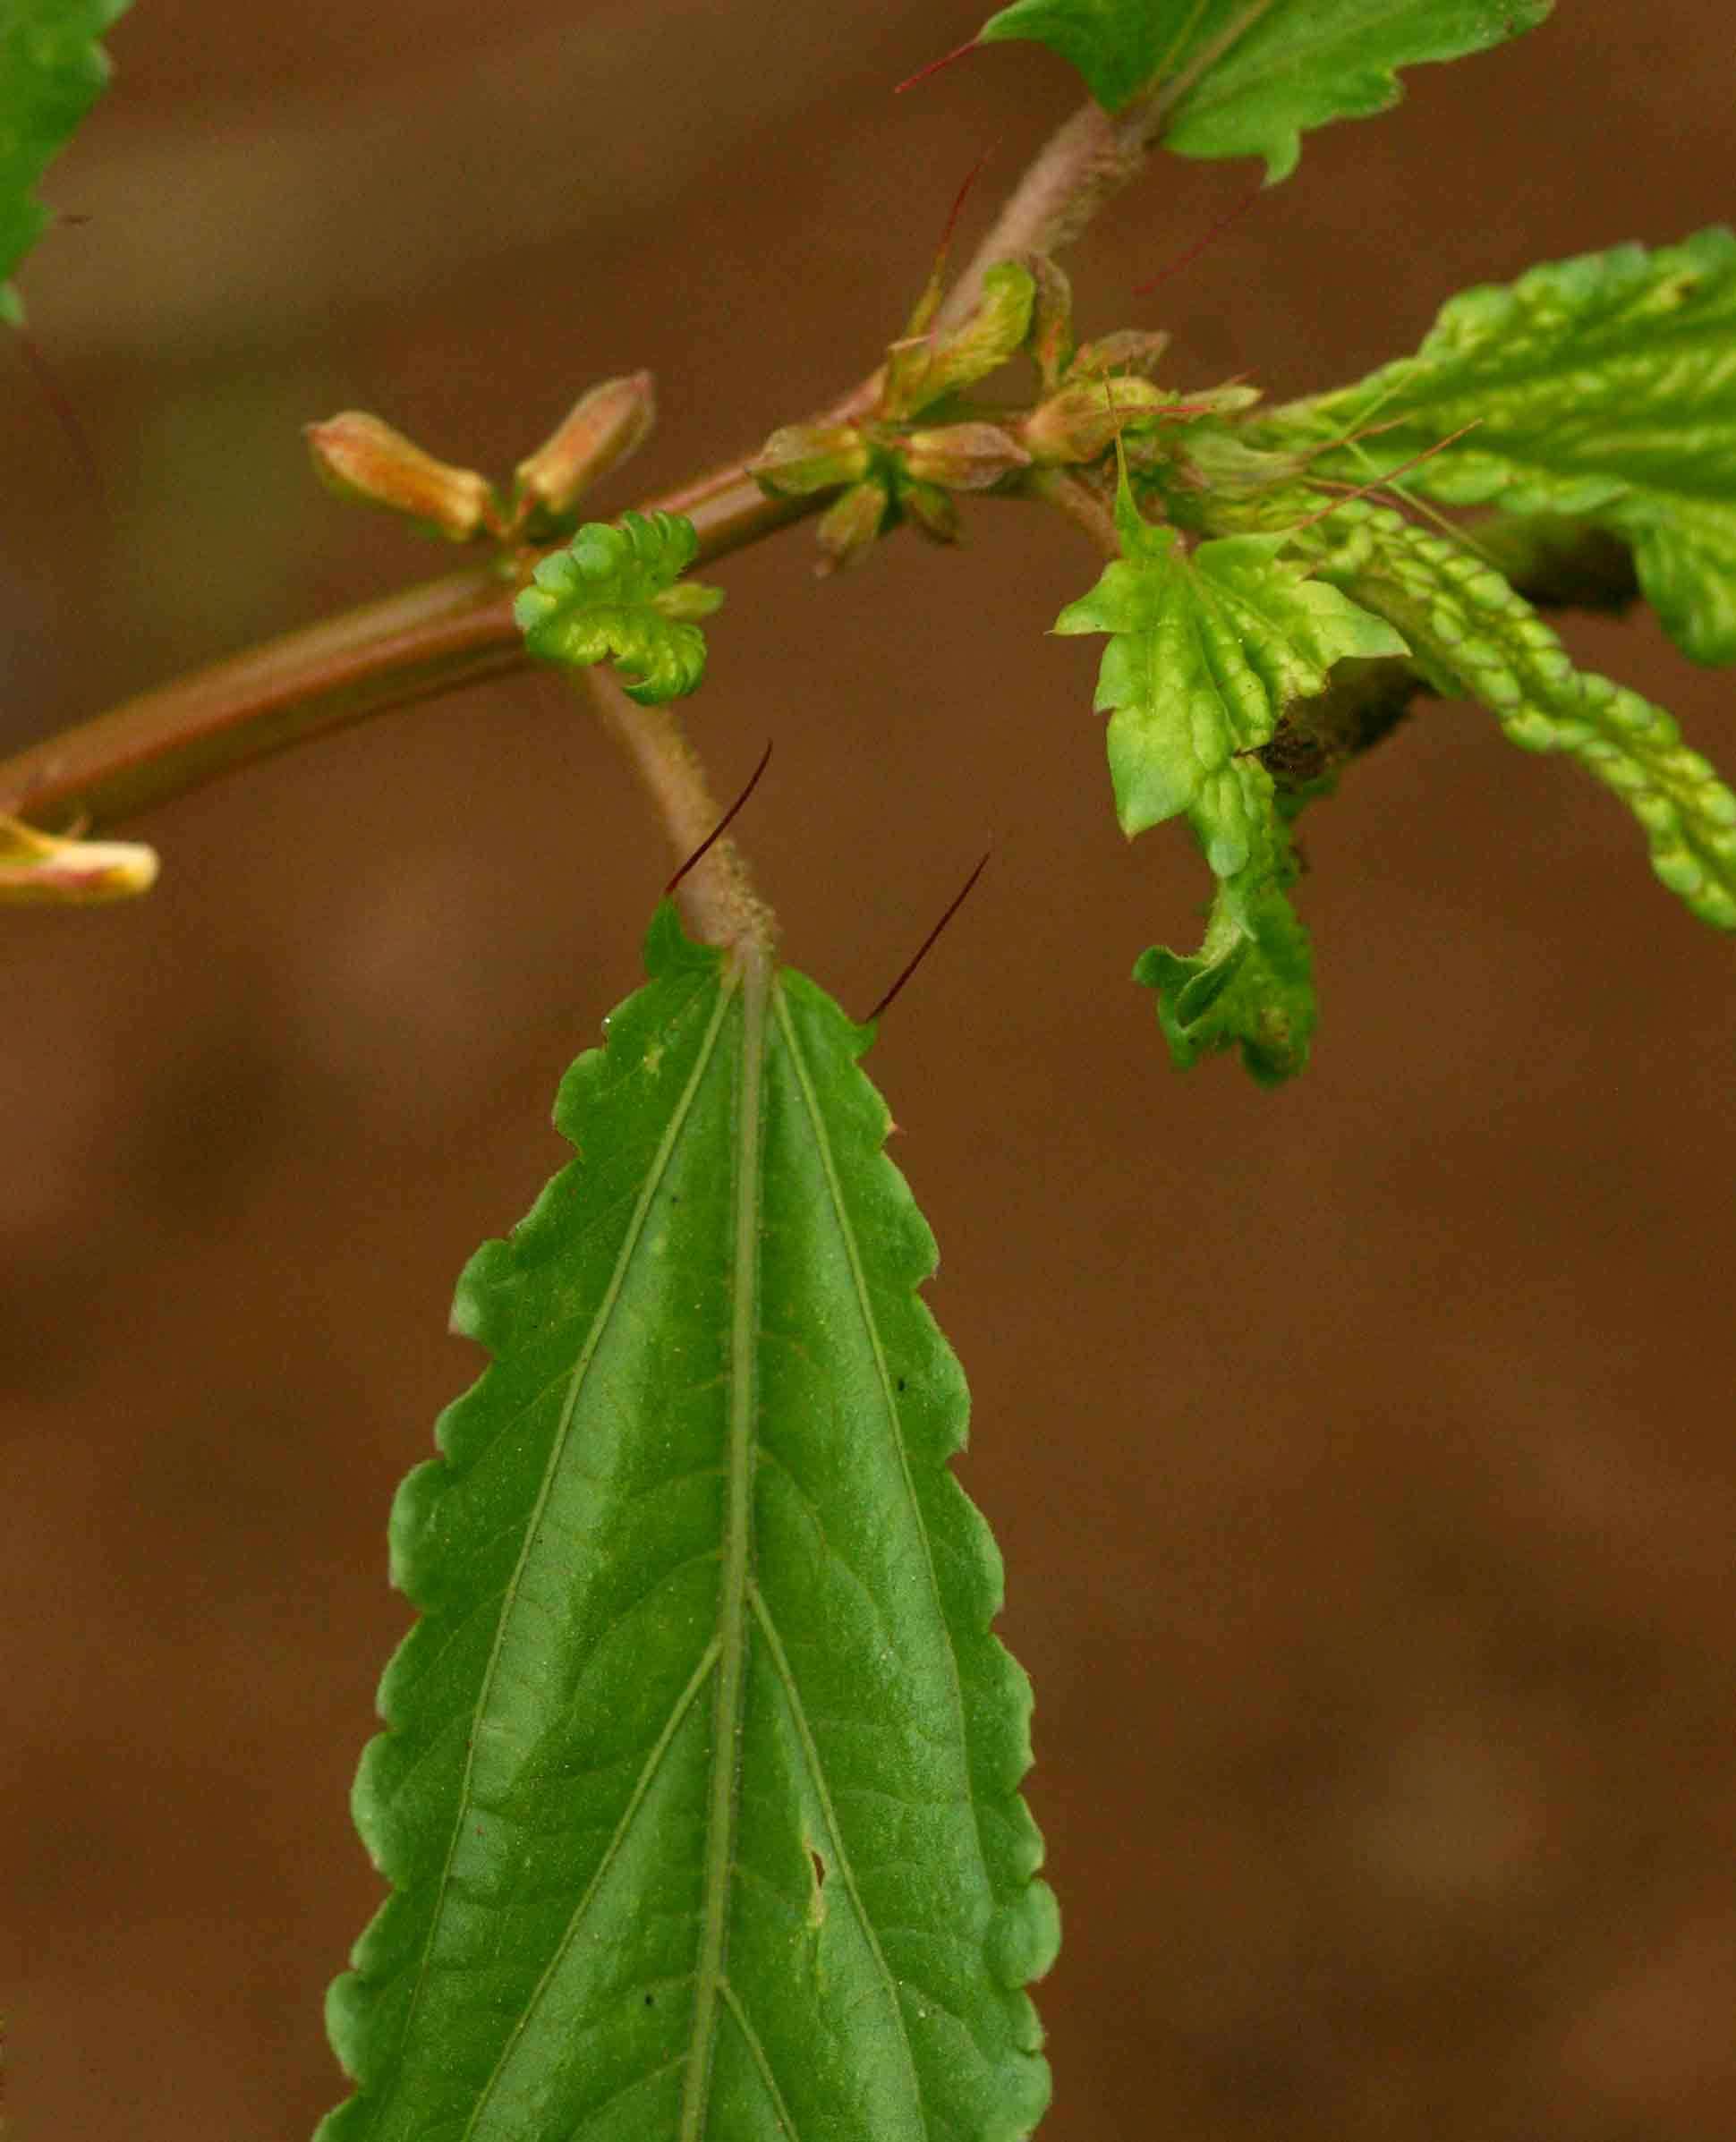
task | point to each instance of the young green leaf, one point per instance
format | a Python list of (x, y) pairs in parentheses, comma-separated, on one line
[(52, 70), (699, 1790), (1251, 983), (1473, 636), (1602, 388), (614, 595), (1207, 647), (1243, 78)]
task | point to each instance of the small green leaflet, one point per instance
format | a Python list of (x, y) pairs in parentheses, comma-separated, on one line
[(1474, 636), (1251, 983), (1244, 78), (1207, 649), (1603, 388), (612, 595), (52, 70), (699, 1794)]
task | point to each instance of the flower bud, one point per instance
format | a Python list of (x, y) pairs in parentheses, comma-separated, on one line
[(962, 457), (46, 869), (359, 457), (923, 369), (602, 427), (1079, 422), (1210, 458), (934, 511), (850, 525), (1128, 350), (802, 458)]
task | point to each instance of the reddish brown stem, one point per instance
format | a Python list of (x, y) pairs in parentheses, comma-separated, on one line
[(412, 645)]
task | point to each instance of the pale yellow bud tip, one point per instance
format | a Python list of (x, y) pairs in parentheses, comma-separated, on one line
[(362, 457), (44, 869)]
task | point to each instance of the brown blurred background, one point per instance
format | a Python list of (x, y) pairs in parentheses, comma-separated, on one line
[(1361, 1453)]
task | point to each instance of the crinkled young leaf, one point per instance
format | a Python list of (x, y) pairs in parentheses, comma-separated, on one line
[(1603, 388), (1475, 637), (1251, 983), (52, 70), (612, 595), (1207, 649), (1244, 78), (699, 1794)]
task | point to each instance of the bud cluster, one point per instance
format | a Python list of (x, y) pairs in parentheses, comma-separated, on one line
[(362, 457), (888, 467), (924, 443)]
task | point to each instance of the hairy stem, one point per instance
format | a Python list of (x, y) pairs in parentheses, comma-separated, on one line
[(1084, 164), (717, 895)]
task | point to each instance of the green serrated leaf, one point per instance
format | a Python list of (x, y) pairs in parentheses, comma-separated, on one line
[(1244, 78), (1207, 647), (699, 1795), (611, 595), (1207, 650), (1602, 388), (52, 70), (1475, 637)]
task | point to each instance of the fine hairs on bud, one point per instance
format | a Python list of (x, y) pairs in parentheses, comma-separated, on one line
[(602, 427), (362, 457)]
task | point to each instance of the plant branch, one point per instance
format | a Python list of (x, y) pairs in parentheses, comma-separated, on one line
[(458, 630), (409, 646), (1084, 165)]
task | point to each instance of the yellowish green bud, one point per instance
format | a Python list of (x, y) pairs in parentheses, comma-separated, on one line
[(1128, 350), (803, 458), (934, 511), (46, 869), (601, 430), (851, 522), (920, 369), (963, 458), (1083, 421), (359, 457)]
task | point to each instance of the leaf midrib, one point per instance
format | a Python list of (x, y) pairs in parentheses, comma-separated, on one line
[(576, 1377), (709, 1985)]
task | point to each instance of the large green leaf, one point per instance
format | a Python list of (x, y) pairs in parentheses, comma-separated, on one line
[(1244, 78), (615, 594), (1472, 635), (699, 1791), (52, 69), (1603, 388)]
